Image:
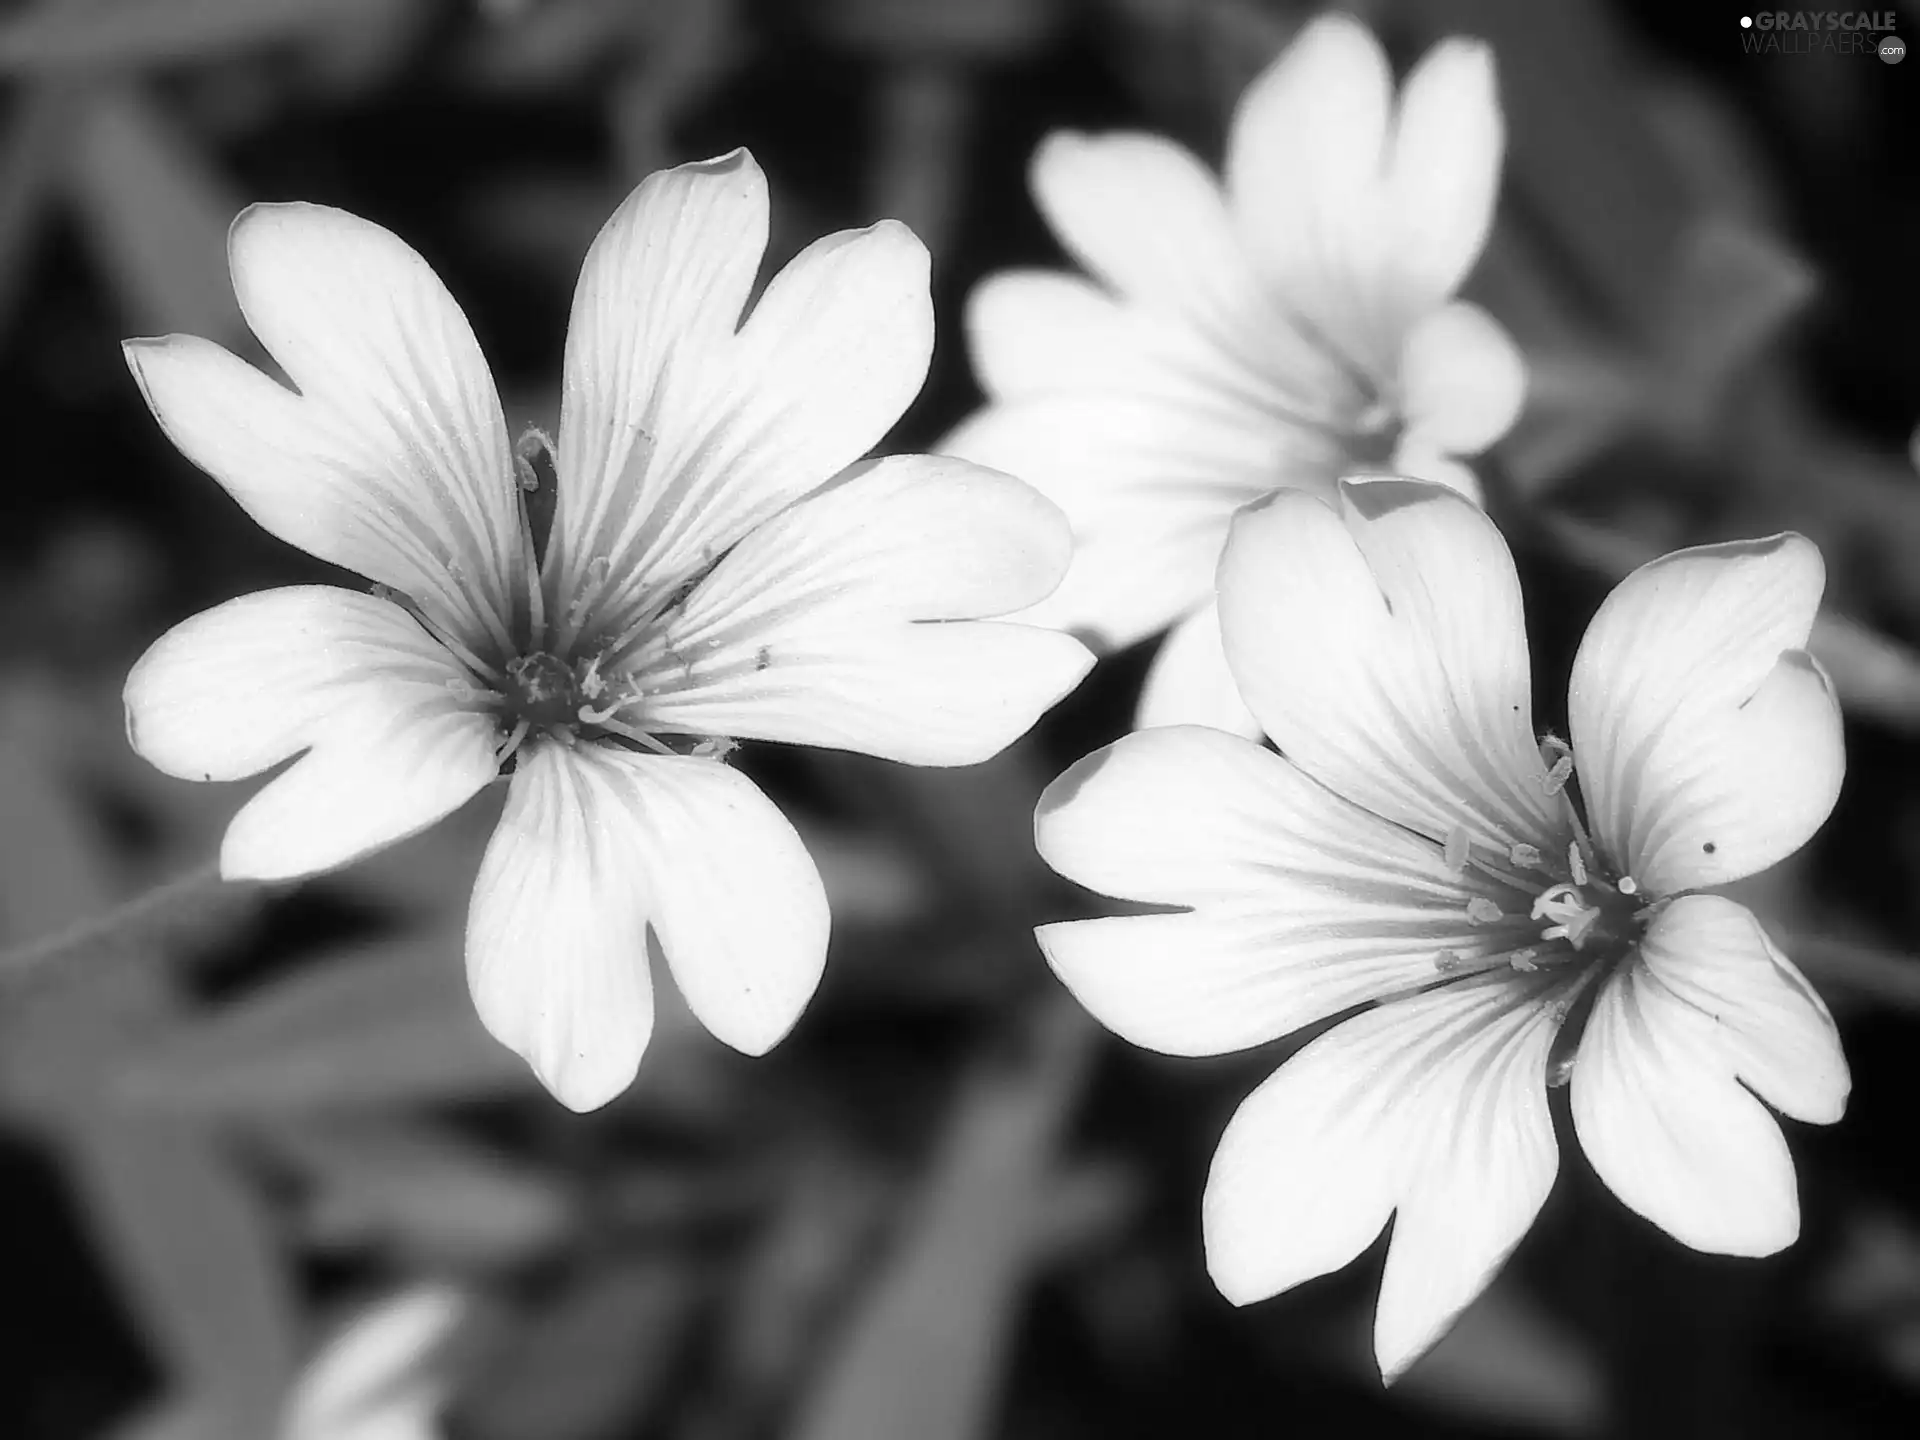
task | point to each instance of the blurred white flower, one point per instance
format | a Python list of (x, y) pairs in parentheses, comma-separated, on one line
[(382, 1376), (719, 567), (1417, 847), (1285, 329)]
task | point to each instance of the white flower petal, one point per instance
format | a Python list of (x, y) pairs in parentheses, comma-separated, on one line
[(1462, 380), (1676, 1041), (557, 934), (1434, 1108), (1443, 171), (595, 845), (1148, 487), (1304, 179), (1302, 904), (1189, 682), (392, 460), (653, 329), (1035, 332), (392, 744), (1146, 217), (1708, 742), (677, 435), (856, 621), (1383, 649), (1417, 461), (738, 907)]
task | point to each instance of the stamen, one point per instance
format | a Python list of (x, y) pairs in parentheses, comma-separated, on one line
[(638, 736), (1526, 856), (1554, 899), (1576, 863), (592, 684), (1458, 850), (1559, 775), (1482, 911), (512, 743)]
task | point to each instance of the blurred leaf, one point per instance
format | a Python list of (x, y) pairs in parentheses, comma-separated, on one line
[(586, 1367), (421, 1191), (156, 214), (1508, 1362), (921, 1355), (1580, 151), (31, 156), (180, 1230), (868, 880), (385, 1026), (95, 34), (1734, 288)]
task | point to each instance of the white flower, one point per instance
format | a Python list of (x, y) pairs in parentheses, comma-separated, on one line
[(383, 1375), (1414, 848), (719, 567), (1291, 327)]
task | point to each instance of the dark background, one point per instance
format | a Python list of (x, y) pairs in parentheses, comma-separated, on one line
[(945, 1208)]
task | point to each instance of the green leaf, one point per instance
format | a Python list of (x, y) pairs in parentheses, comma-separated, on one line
[(923, 1352), (379, 1027), (94, 34), (156, 214)]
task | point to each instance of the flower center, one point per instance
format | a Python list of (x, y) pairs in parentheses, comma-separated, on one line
[(1548, 905), (542, 690)]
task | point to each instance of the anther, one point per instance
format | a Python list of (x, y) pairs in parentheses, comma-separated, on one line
[(1526, 856), (1559, 775), (1576, 863), (1458, 850), (1627, 885), (1482, 911), (1525, 960)]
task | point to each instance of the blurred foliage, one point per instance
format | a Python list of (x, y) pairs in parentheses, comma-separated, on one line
[(946, 1208)]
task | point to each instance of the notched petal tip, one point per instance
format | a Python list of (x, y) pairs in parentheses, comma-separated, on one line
[(1798, 557), (1372, 496), (1065, 789)]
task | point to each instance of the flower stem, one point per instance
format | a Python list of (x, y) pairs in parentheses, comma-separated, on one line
[(155, 909)]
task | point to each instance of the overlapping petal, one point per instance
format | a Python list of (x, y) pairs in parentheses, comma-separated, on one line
[(1148, 487), (1431, 1108), (1462, 381), (392, 458), (1189, 682), (858, 620), (1709, 742), (679, 435), (383, 714), (1678, 1047), (597, 844), (1382, 648), (1301, 904)]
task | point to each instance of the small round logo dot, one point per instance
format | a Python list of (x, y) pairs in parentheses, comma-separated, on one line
[(1893, 49), (1746, 22)]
